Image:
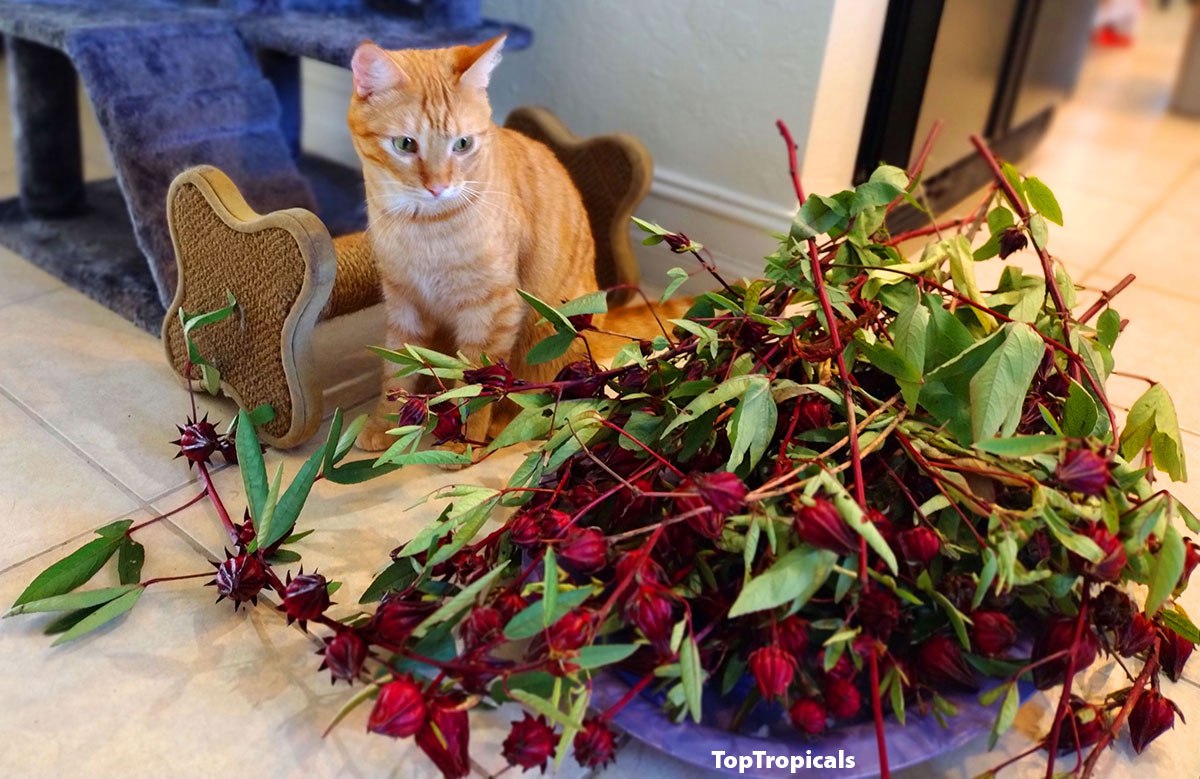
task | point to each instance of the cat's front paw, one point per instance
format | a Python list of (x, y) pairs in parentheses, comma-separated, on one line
[(374, 435), (459, 448)]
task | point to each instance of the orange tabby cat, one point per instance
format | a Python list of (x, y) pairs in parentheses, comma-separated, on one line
[(462, 213)]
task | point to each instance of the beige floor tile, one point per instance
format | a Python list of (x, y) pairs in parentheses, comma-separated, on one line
[(22, 279), (1184, 198), (48, 493), (1136, 174), (355, 526), (1162, 254), (1094, 226), (1160, 343), (100, 382), (202, 691)]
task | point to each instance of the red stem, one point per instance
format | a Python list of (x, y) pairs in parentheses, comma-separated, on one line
[(860, 493), (211, 490), (929, 229), (1106, 297), (162, 579), (170, 513), (1065, 699), (1064, 312), (615, 709)]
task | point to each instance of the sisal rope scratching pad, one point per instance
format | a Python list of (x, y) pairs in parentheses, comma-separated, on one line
[(280, 267), (287, 274)]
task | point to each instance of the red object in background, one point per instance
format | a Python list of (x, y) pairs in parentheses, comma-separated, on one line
[(1111, 38)]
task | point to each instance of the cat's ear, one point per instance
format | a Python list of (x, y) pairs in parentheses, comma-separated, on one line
[(375, 70), (476, 63)]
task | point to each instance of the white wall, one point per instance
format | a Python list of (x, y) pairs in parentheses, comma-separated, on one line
[(701, 82)]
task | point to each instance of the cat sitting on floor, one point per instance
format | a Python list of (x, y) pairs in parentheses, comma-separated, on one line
[(462, 213)]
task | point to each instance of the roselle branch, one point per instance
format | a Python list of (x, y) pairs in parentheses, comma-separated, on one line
[(818, 278), (1018, 205)]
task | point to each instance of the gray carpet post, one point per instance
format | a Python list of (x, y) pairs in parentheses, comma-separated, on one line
[(45, 111)]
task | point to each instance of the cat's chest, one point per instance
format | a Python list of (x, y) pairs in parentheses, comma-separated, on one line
[(444, 261)]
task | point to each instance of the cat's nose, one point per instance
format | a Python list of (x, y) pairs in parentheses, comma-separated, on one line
[(435, 189)]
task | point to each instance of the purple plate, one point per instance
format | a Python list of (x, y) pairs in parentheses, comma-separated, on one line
[(767, 730)]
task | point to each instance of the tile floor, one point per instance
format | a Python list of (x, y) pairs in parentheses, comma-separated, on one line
[(184, 689)]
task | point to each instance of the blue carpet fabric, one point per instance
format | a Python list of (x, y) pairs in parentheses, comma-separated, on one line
[(175, 83)]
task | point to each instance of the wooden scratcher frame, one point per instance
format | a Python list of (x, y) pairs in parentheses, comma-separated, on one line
[(288, 275)]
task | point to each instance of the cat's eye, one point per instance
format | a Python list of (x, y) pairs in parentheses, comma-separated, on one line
[(464, 143), (405, 144)]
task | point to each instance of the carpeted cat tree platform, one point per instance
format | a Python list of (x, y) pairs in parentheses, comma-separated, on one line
[(174, 84)]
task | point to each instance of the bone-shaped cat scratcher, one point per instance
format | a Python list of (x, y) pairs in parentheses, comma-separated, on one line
[(289, 275)]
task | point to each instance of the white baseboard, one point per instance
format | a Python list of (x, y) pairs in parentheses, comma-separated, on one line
[(736, 228)]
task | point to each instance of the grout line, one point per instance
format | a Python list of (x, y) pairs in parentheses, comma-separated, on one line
[(70, 540), (45, 425)]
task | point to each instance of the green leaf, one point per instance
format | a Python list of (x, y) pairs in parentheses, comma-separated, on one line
[(366, 693), (529, 621), (68, 620), (678, 276), (463, 391), (1014, 180), (1080, 414), (1008, 713), (998, 219), (1020, 445), (853, 514), (962, 272), (691, 676), (545, 708), (818, 215), (464, 598), (396, 576), (358, 471), (428, 457), (1168, 567), (897, 695), (102, 616), (947, 338), (1039, 231), (549, 586), (888, 360), (1108, 327), (722, 393), (648, 227), (263, 525), (250, 463), (75, 569), (998, 390), (550, 348), (130, 557), (1080, 545), (1152, 421), (591, 303), (469, 525), (1043, 200), (793, 578), (910, 335), (599, 655), (557, 320), (72, 600), (1177, 621), (752, 425), (891, 175)]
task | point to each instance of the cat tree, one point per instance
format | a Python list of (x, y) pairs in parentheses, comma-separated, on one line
[(174, 84), (289, 276)]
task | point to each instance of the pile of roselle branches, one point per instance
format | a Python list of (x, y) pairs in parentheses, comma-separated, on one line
[(860, 481)]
